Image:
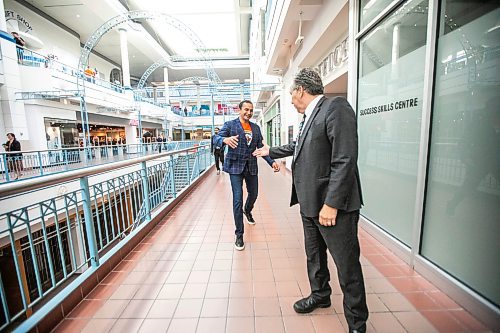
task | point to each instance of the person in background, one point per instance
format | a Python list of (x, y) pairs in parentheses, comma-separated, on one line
[(159, 142), (14, 160), (218, 151), (90, 74), (243, 138), (326, 184), (20, 43)]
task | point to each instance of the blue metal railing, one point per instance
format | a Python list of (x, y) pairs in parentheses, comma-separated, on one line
[(61, 236), (43, 162)]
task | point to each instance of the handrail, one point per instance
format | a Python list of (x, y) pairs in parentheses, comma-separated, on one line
[(58, 150), (10, 189)]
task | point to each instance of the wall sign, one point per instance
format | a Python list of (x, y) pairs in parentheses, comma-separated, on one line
[(399, 105), (335, 59), (22, 24)]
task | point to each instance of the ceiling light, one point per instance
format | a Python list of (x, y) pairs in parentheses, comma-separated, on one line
[(300, 38), (77, 15)]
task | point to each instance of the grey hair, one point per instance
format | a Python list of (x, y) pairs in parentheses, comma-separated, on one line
[(310, 80)]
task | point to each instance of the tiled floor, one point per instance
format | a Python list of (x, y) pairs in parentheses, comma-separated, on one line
[(186, 277)]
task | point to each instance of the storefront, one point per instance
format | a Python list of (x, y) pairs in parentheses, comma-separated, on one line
[(112, 129), (105, 134), (60, 133), (197, 133), (427, 100), (272, 124)]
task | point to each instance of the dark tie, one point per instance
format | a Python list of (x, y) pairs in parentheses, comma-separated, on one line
[(301, 125)]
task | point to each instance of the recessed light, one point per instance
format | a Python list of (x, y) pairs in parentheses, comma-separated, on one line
[(77, 15)]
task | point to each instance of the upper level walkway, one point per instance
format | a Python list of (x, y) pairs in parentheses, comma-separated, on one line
[(185, 276)]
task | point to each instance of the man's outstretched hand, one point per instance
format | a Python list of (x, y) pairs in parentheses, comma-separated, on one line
[(261, 152), (231, 141)]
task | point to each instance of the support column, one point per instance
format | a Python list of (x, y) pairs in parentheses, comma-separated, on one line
[(212, 112), (395, 42), (12, 113), (396, 38), (3, 23), (168, 124), (124, 54), (198, 101), (131, 134), (165, 81)]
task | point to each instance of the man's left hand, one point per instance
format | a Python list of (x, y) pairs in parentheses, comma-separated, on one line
[(327, 216), (276, 167)]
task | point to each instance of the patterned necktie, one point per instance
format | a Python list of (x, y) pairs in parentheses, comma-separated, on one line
[(301, 125)]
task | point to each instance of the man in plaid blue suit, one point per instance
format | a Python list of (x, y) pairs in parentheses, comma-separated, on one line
[(242, 138)]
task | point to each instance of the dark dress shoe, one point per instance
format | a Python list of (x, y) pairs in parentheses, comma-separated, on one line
[(311, 303)]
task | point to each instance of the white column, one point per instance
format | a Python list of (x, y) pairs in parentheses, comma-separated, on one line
[(3, 24), (198, 100), (12, 113), (395, 42), (165, 81), (396, 36), (124, 53), (131, 134)]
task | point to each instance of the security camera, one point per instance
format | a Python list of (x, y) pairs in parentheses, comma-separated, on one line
[(299, 40)]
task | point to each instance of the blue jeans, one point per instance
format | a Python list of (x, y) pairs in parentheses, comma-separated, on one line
[(252, 183)]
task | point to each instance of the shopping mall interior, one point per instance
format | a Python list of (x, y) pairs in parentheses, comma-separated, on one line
[(114, 216)]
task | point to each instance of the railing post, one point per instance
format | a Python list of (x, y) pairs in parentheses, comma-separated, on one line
[(145, 190), (3, 298), (187, 167), (6, 167), (198, 166), (40, 163), (89, 222), (172, 175), (66, 161)]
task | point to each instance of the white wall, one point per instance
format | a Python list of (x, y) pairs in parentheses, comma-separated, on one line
[(36, 124)]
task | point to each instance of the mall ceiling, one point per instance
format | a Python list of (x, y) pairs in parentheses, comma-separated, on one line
[(150, 41)]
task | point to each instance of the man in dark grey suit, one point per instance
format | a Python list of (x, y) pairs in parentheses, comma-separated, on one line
[(327, 186)]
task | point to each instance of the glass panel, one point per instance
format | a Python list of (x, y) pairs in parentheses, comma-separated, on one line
[(463, 191), (371, 8), (390, 95)]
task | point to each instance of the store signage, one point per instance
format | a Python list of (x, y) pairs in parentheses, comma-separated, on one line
[(393, 106), (22, 23), (335, 59), (133, 122)]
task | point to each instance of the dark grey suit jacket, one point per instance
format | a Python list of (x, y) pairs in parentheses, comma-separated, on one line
[(325, 169)]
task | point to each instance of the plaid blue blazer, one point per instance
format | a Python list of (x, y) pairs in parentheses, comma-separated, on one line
[(237, 158)]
